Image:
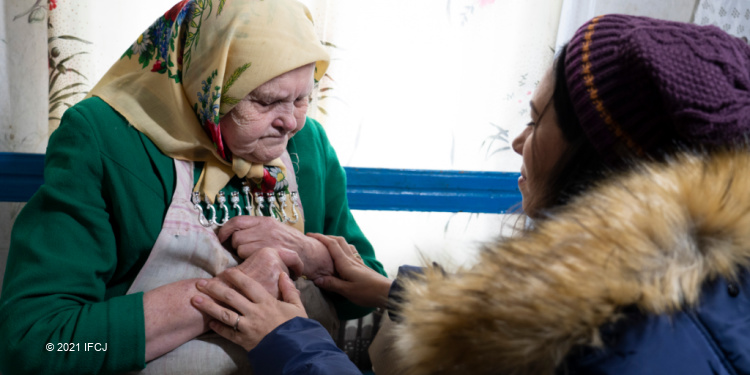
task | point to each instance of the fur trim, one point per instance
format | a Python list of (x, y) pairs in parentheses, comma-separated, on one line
[(649, 238)]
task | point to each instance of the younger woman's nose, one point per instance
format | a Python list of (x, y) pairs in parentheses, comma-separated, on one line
[(520, 140)]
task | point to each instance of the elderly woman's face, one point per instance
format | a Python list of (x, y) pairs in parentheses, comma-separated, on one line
[(258, 127)]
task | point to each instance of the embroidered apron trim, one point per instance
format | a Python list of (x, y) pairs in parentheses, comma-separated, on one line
[(266, 197)]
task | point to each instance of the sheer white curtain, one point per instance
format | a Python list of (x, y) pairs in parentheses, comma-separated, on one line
[(445, 85), (426, 84)]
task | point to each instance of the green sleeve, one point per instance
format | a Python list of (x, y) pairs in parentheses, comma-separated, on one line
[(63, 254), (323, 192)]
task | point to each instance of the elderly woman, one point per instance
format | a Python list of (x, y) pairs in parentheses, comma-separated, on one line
[(636, 171), (191, 156)]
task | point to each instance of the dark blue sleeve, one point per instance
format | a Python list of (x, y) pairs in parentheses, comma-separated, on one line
[(300, 346)]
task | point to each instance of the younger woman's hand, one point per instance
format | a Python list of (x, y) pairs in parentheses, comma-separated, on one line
[(253, 312), (355, 281)]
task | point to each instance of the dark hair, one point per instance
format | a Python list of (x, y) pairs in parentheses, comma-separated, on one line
[(581, 165)]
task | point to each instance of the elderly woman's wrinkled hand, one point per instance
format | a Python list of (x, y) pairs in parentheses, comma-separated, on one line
[(249, 234), (265, 265), (355, 281), (252, 312)]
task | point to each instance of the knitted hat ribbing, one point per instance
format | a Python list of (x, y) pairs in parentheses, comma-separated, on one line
[(637, 84)]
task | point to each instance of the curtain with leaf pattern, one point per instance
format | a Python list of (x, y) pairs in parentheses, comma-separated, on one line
[(51, 53)]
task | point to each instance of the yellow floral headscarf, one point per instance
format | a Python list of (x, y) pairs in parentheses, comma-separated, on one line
[(195, 63)]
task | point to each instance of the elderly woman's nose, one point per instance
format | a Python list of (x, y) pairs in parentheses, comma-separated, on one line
[(285, 118), (520, 140)]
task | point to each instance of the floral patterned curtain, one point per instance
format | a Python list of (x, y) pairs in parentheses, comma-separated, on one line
[(576, 12), (732, 16)]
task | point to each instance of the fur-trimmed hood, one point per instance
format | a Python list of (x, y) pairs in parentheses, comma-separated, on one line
[(649, 239)]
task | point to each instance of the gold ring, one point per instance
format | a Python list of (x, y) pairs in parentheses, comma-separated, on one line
[(237, 323), (358, 256)]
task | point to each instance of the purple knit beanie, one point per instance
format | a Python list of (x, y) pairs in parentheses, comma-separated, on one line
[(638, 84)]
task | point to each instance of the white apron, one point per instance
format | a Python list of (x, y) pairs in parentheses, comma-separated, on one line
[(186, 249)]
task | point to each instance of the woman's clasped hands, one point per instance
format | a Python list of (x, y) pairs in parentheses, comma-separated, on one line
[(249, 234), (353, 280), (246, 310), (254, 312)]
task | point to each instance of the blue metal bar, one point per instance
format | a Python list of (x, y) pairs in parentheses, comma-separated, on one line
[(367, 188), (427, 190), (20, 175)]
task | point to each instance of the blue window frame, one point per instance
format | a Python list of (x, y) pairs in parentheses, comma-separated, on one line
[(367, 188)]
